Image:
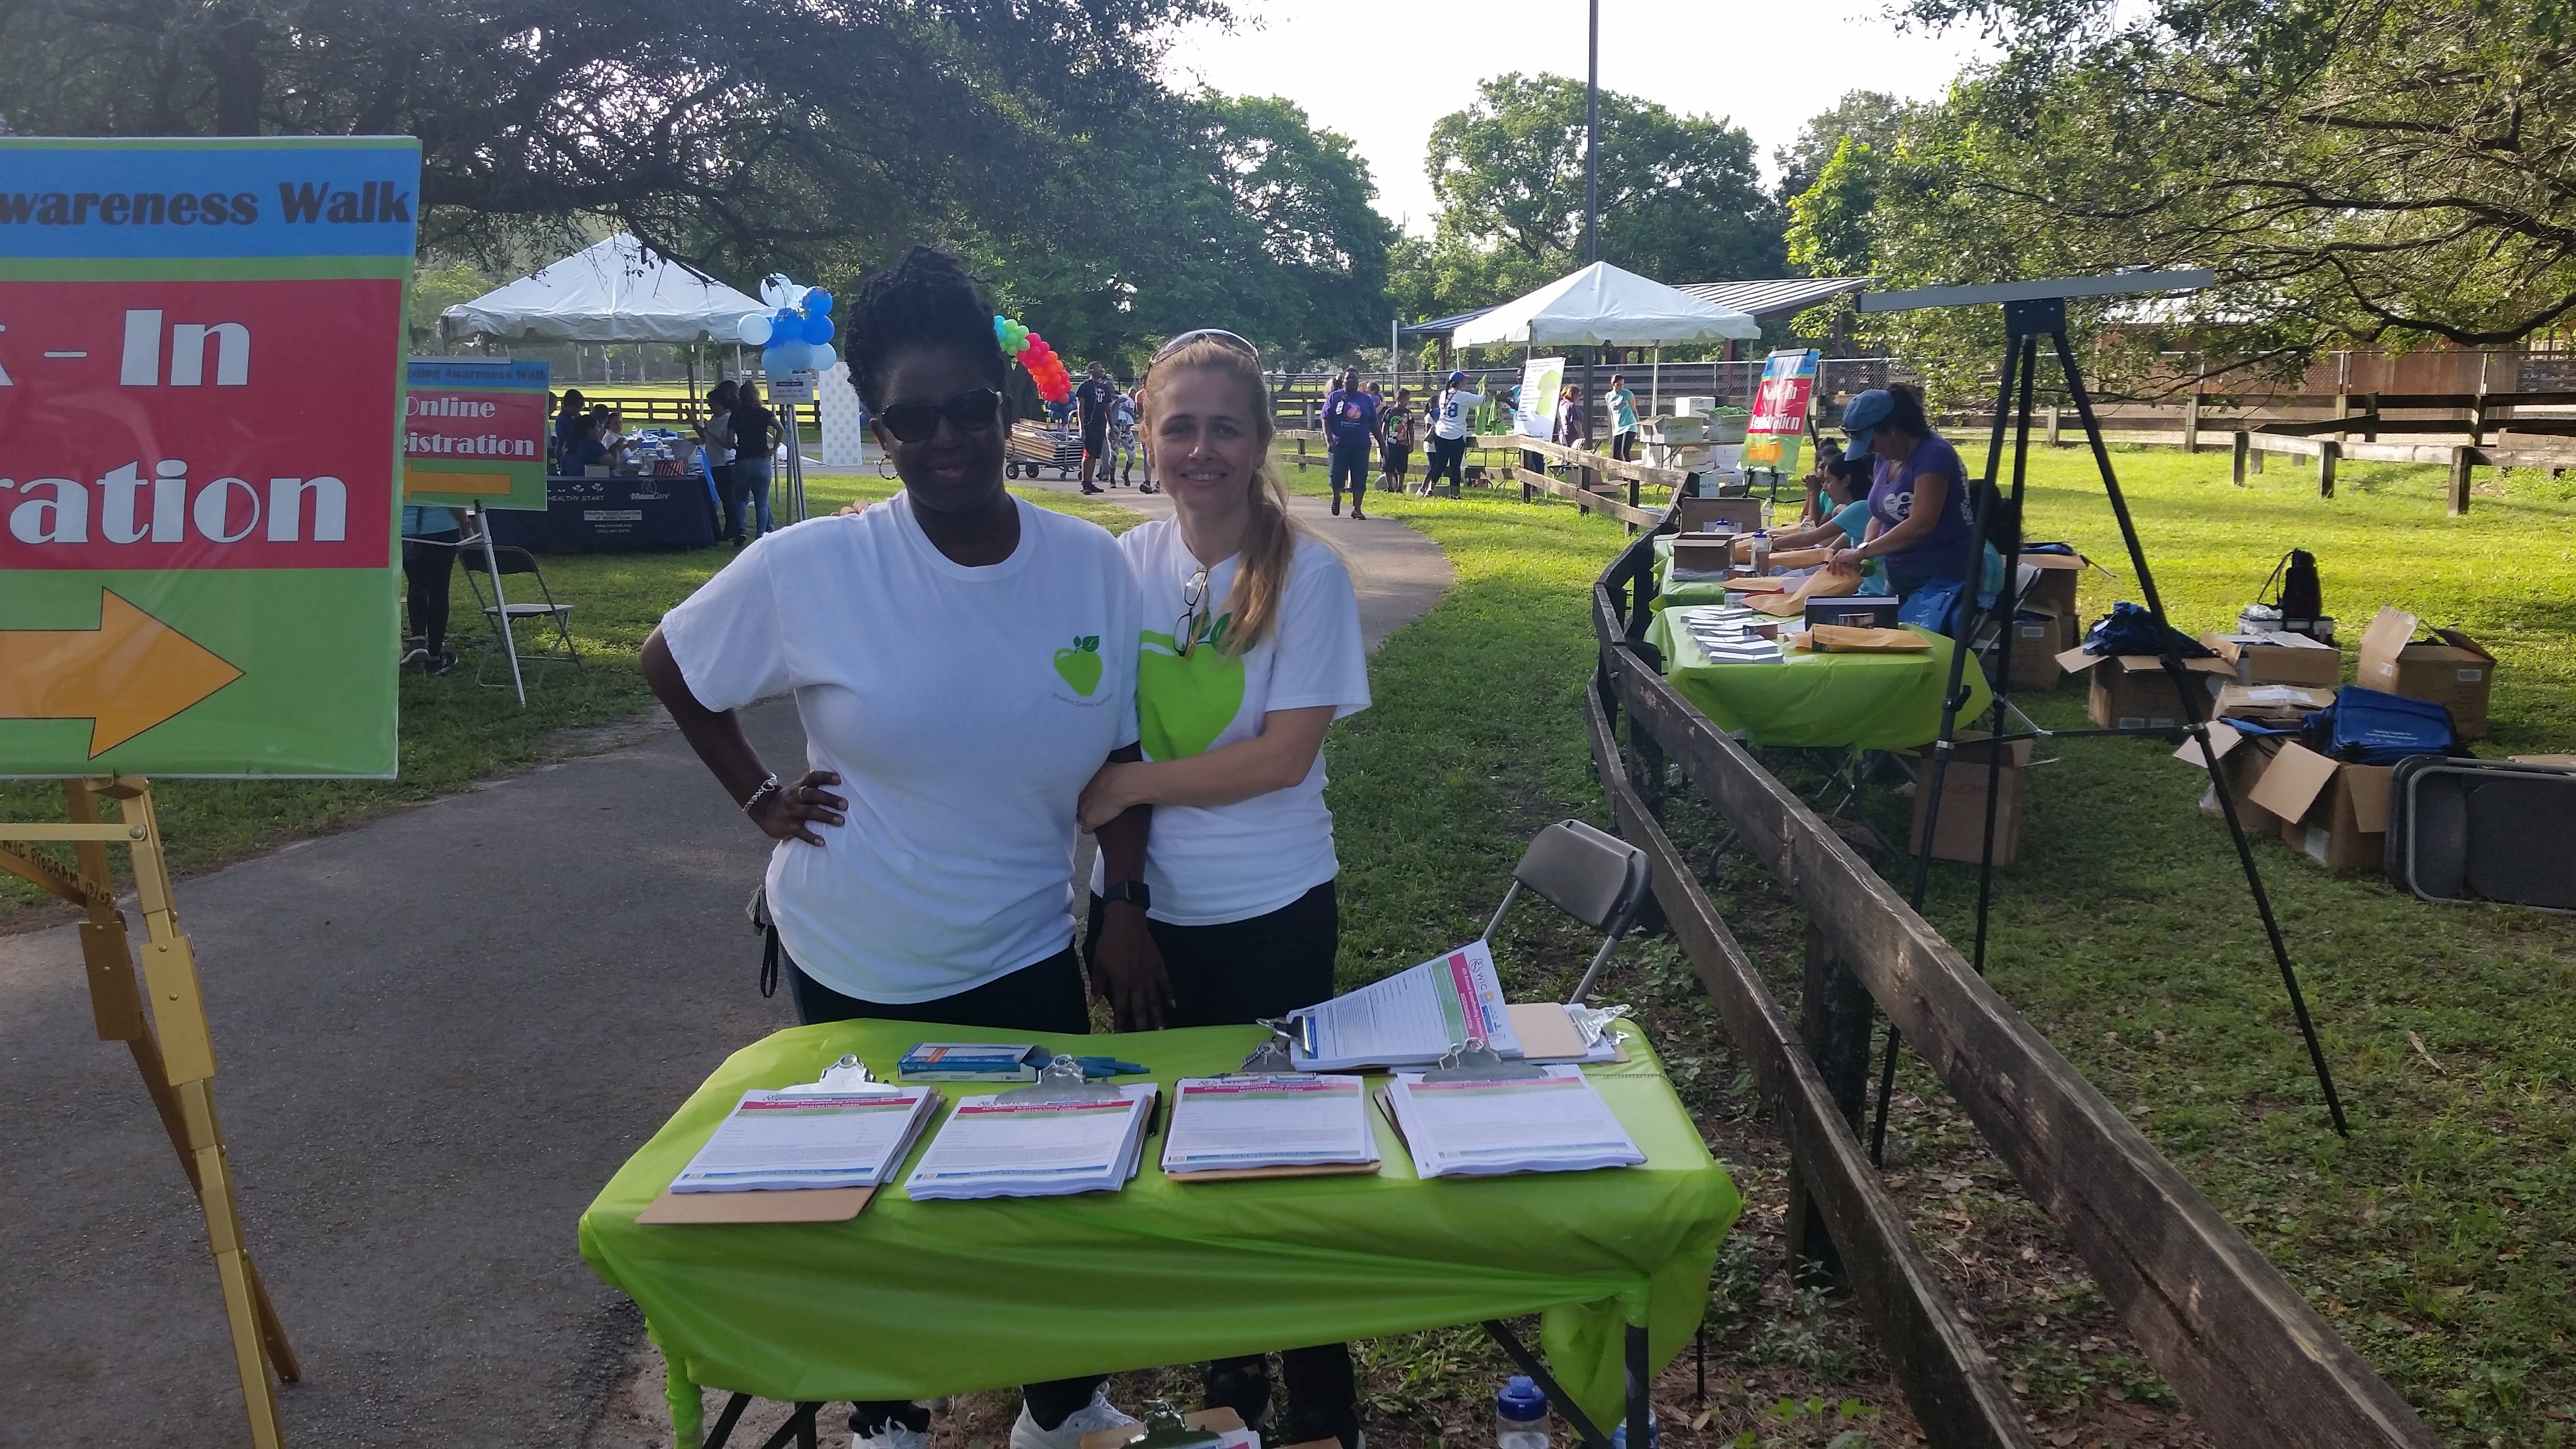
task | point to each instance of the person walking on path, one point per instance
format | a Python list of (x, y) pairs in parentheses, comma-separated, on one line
[(1095, 400), (747, 500), (1122, 441), (1623, 419), (430, 536), (1352, 432), (1396, 457), (1453, 425), (923, 866), (1263, 654)]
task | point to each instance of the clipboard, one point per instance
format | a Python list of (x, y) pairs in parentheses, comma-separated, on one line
[(789, 1205), (1293, 1169)]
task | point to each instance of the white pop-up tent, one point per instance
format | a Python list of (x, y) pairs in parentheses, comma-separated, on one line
[(1602, 306), (615, 291)]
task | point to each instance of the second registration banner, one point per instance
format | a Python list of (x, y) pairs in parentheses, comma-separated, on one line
[(475, 432)]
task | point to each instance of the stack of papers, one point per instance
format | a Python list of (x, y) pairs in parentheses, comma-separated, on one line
[(1410, 1018), (806, 1139), (1246, 1123), (1554, 1123), (1726, 636), (1000, 1147)]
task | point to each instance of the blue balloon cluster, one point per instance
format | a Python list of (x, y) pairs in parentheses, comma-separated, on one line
[(793, 339)]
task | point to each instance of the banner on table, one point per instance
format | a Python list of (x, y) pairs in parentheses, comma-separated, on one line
[(1541, 379), (475, 432), (201, 346), (1776, 432)]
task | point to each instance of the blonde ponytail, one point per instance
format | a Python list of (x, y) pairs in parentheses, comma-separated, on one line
[(1270, 537)]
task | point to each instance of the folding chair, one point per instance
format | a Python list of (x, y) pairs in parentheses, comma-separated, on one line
[(514, 562), (1596, 878)]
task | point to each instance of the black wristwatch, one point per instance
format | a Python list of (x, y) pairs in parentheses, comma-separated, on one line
[(1130, 890)]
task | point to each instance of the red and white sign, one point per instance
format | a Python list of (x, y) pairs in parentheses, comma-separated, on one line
[(167, 425)]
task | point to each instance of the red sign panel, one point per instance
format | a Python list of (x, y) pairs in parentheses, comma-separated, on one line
[(136, 433)]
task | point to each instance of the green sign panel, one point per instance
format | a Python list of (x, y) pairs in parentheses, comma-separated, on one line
[(201, 352)]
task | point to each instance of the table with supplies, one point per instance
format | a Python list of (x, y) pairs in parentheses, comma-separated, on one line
[(915, 1299), (613, 515), (1865, 701)]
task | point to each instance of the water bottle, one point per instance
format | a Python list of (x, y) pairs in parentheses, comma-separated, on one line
[(1654, 1434), (1520, 1415), (1761, 552)]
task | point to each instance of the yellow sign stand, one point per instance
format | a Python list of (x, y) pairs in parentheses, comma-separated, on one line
[(171, 1045)]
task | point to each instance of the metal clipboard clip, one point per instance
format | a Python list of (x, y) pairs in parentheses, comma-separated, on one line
[(1272, 1056), (1061, 1080), (845, 1078), (1473, 1061)]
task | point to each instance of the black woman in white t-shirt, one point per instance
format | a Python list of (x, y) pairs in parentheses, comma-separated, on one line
[(963, 662), (1250, 648)]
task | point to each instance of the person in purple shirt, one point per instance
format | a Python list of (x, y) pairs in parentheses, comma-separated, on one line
[(1920, 524), (1353, 431)]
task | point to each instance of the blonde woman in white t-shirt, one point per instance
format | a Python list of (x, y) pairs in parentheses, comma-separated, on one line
[(1250, 648)]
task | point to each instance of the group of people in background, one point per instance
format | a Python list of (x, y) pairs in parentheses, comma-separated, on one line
[(1107, 415)]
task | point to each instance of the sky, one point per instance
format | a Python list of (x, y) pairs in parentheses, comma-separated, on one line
[(1382, 75)]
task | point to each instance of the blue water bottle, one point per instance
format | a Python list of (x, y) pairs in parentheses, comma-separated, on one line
[(1654, 1434), (1520, 1415)]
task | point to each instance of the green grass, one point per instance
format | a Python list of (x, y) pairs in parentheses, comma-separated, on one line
[(2438, 1239), (453, 733)]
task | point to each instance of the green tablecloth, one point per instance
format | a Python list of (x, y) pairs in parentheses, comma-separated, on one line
[(1707, 591), (1873, 701), (914, 1300)]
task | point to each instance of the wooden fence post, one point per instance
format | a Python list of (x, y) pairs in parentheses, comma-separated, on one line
[(2370, 431), (1834, 1019), (2244, 447), (2460, 480), (2053, 410), (2329, 452), (2254, 458), (2191, 422)]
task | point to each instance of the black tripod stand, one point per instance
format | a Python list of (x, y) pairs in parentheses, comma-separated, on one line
[(2029, 318)]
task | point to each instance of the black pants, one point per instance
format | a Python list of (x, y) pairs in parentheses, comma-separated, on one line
[(1351, 460), (1623, 446), (429, 566), (1227, 975), (1046, 997), (1447, 454), (729, 487)]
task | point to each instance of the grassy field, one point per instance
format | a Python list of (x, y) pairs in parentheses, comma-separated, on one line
[(2438, 1238), (453, 732)]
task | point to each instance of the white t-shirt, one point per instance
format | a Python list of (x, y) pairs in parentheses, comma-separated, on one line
[(1211, 864), (964, 708), (1454, 416)]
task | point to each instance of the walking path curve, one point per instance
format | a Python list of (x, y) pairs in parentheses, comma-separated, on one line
[(438, 1034)]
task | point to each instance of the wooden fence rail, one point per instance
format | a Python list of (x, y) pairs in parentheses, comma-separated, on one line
[(2245, 1351)]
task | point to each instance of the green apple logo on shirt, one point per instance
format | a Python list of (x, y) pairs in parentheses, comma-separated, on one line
[(1184, 703), (1080, 664)]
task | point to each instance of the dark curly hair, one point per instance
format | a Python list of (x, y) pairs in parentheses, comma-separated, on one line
[(925, 301)]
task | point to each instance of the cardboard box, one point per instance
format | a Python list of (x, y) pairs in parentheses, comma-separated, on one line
[(2132, 691), (2285, 704), (2279, 658), (1745, 513), (2333, 813), (2242, 759), (1961, 832), (2451, 670), (1854, 611), (2038, 638), (1708, 553), (2053, 592)]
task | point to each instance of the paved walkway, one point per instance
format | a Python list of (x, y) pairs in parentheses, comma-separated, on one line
[(438, 1034)]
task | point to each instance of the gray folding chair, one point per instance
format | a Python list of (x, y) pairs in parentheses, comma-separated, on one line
[(510, 562), (1596, 878)]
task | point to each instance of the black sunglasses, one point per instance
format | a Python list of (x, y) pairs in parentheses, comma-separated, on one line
[(1208, 334), (975, 410)]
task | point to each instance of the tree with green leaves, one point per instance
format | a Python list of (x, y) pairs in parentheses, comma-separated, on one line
[(1681, 198), (1870, 118), (2355, 171)]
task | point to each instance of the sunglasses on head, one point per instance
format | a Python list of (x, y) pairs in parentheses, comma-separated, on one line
[(975, 410), (1209, 334)]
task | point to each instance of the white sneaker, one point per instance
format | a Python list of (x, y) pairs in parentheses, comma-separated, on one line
[(894, 1436), (1091, 1418)]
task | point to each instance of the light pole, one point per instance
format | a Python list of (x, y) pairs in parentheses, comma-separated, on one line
[(1591, 187)]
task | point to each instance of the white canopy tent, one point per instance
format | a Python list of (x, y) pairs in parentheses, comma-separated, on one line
[(1603, 306), (615, 291)]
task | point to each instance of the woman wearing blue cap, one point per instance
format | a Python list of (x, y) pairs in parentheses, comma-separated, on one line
[(1920, 525)]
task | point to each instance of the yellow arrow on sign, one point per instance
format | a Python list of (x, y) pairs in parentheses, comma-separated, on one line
[(125, 676)]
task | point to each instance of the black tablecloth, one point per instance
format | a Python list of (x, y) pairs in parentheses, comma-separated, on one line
[(612, 515)]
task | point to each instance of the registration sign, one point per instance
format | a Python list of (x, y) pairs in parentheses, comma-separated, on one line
[(1778, 426), (474, 431), (200, 413)]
